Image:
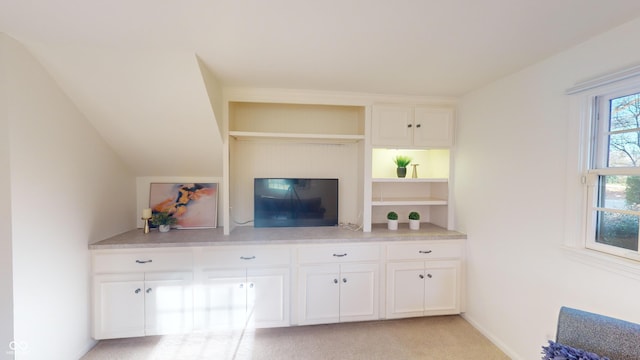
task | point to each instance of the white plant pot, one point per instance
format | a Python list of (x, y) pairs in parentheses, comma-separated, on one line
[(414, 224), (392, 224), (164, 228)]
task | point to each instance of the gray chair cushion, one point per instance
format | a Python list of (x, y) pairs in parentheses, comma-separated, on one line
[(603, 335)]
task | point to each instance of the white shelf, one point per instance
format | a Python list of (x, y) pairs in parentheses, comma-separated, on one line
[(408, 201), (332, 138), (410, 180)]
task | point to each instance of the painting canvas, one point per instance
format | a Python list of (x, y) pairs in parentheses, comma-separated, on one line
[(195, 205)]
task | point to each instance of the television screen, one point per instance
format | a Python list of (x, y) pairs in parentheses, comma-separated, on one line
[(280, 202)]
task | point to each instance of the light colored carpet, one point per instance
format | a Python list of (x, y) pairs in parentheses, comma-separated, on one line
[(439, 337)]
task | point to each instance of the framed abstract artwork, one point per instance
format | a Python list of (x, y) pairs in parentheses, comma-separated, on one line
[(195, 205)]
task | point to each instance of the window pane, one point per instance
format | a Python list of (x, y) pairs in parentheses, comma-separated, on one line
[(620, 192), (624, 149), (625, 112), (619, 230)]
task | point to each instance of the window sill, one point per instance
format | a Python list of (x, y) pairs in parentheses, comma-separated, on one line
[(604, 261)]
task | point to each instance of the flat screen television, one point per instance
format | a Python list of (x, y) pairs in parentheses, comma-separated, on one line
[(289, 202)]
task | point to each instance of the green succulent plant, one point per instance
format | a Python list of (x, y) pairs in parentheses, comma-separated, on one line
[(402, 161), (392, 215), (414, 216), (163, 218)]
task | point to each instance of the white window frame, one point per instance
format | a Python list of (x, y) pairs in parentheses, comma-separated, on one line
[(585, 106)]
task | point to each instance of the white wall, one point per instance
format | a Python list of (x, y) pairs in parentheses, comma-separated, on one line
[(512, 170), (6, 269), (67, 189)]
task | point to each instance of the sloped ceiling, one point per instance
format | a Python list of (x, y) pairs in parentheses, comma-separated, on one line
[(151, 107), (148, 74)]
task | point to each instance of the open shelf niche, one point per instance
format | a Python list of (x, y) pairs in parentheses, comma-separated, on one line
[(427, 194), (298, 141)]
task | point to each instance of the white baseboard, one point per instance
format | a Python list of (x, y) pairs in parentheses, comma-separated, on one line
[(87, 347), (502, 346)]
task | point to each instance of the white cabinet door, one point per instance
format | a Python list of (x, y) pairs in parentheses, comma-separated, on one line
[(221, 299), (418, 288), (268, 297), (338, 292), (118, 306), (168, 303), (392, 125), (412, 126), (433, 127), (405, 289), (319, 294), (442, 287), (358, 292), (239, 298)]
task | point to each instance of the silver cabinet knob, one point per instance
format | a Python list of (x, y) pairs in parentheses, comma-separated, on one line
[(344, 280), (138, 291), (149, 291), (335, 281), (421, 276), (429, 276)]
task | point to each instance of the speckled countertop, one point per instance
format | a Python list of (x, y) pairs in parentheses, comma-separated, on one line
[(256, 236)]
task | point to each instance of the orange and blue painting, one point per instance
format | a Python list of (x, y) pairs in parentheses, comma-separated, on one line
[(194, 205)]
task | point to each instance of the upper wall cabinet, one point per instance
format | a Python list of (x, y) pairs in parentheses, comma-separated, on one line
[(409, 126)]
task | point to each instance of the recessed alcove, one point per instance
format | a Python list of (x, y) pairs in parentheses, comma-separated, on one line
[(295, 141)]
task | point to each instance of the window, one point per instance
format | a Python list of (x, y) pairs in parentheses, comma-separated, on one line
[(613, 174)]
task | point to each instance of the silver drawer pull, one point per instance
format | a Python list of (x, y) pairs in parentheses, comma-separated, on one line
[(143, 261), (247, 258), (425, 251), (340, 255)]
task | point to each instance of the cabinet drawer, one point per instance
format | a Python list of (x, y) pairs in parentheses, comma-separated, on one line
[(243, 256), (142, 261), (338, 253), (424, 250)]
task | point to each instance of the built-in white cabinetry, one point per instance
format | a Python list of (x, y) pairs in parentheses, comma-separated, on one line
[(423, 279), (408, 126), (139, 293), (242, 286), (280, 133), (338, 283), (425, 134)]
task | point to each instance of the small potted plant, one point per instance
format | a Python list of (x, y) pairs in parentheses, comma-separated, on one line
[(414, 220), (392, 220), (402, 161), (163, 220)]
